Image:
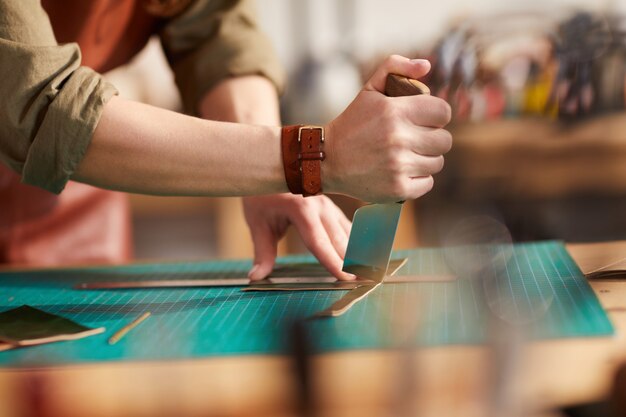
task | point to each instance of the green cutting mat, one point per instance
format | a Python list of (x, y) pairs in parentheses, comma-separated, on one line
[(540, 281)]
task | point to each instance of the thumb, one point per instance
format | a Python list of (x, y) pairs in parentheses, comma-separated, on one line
[(265, 249), (399, 65)]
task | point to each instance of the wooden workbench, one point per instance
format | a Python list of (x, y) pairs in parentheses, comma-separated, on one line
[(450, 380)]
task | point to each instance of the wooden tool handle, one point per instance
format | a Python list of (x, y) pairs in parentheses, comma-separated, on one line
[(397, 86)]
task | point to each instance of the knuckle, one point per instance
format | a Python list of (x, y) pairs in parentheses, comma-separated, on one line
[(426, 184), (339, 238), (438, 165), (388, 110), (325, 202), (446, 140), (305, 224), (391, 59), (316, 244), (446, 111), (399, 188), (393, 158), (396, 164), (439, 141), (395, 134), (429, 183), (420, 104), (301, 209), (390, 135), (397, 144), (439, 108)]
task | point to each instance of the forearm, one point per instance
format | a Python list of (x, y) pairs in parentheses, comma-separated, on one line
[(379, 149), (250, 99), (144, 149)]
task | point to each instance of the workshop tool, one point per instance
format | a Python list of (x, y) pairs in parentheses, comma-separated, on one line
[(130, 326), (374, 225)]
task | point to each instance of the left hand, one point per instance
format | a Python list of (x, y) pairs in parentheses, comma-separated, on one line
[(321, 224)]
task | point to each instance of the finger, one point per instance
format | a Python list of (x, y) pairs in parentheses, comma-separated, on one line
[(265, 249), (396, 64), (423, 166), (340, 216), (336, 232), (419, 186), (425, 110), (318, 242), (432, 142), (345, 223)]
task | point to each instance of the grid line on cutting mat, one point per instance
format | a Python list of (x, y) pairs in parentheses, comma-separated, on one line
[(200, 322)]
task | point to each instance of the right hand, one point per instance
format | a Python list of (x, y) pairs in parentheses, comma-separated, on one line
[(385, 149)]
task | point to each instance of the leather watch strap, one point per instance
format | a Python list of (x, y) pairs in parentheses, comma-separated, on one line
[(290, 149), (311, 155), (303, 151)]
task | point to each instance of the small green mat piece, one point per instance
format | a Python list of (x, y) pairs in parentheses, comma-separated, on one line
[(26, 323), (540, 281)]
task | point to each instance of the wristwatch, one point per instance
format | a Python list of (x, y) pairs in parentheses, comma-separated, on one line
[(303, 152)]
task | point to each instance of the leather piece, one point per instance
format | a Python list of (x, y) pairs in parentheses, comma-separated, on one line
[(345, 303), (311, 156), (28, 326), (291, 164)]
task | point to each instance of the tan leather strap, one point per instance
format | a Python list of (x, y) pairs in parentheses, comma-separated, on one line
[(303, 151), (311, 156), (290, 149)]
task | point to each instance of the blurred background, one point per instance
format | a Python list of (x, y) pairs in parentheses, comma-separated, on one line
[(537, 89)]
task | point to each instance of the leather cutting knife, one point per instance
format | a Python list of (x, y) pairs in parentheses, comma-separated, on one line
[(374, 225)]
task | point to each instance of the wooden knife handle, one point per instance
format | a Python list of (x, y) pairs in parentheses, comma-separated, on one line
[(397, 86)]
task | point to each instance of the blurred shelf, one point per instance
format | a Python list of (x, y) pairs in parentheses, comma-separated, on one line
[(536, 159)]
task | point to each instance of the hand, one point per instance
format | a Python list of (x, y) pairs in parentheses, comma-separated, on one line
[(321, 224), (383, 149)]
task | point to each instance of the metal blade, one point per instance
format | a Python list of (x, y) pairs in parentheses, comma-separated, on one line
[(374, 226), (371, 239)]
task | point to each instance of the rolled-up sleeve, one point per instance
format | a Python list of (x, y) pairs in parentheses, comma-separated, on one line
[(50, 103), (213, 40)]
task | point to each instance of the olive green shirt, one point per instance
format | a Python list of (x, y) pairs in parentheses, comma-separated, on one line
[(51, 104)]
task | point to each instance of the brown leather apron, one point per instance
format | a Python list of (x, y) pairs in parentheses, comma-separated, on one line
[(83, 224)]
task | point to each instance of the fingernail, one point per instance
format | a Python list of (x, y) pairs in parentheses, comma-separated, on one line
[(420, 61), (349, 277), (252, 274)]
